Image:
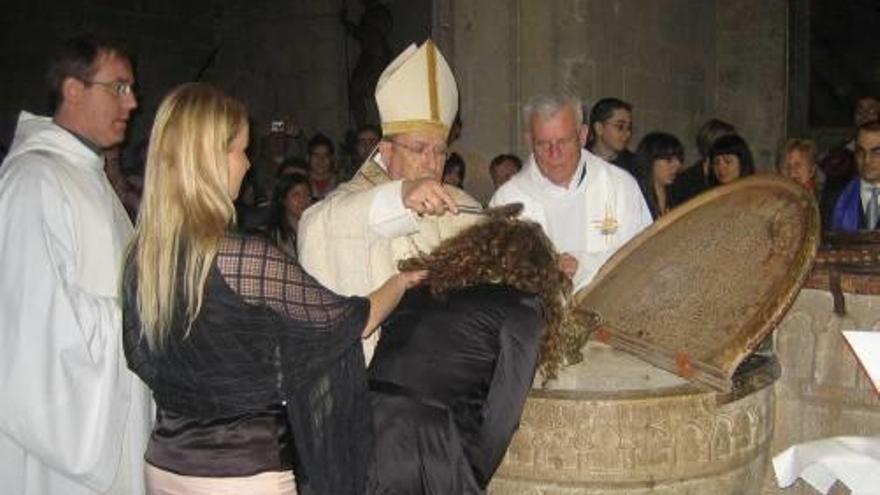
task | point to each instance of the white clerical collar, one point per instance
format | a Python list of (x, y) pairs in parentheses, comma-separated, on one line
[(88, 143)]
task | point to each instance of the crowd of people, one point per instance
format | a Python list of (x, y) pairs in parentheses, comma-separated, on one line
[(657, 163), (310, 326), (249, 342)]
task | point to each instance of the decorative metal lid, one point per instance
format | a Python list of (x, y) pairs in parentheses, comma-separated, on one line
[(697, 291)]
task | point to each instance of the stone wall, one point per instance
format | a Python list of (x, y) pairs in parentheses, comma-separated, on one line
[(823, 392), (751, 90), (679, 62), (285, 59), (169, 40), (280, 57)]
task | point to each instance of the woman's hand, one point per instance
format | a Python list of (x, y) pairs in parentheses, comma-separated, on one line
[(384, 299)]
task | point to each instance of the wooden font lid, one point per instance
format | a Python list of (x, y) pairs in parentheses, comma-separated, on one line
[(697, 291)]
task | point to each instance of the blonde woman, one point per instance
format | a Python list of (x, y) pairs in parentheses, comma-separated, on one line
[(797, 161), (257, 370)]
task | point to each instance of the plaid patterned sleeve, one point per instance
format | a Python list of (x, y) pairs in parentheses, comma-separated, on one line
[(262, 274)]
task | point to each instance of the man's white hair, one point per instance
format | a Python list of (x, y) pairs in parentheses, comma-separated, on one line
[(546, 106)]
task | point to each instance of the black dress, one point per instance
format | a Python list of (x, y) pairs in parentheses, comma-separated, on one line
[(448, 382), (270, 377)]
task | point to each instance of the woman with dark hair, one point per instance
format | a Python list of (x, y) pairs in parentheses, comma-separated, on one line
[(290, 199), (454, 170), (456, 360), (503, 167), (610, 132), (658, 160), (322, 165), (697, 178), (797, 161), (731, 159)]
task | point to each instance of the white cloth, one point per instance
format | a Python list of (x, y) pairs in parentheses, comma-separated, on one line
[(865, 344), (73, 419), (855, 461), (600, 210)]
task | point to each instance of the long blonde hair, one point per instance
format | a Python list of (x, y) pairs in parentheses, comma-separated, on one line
[(186, 206)]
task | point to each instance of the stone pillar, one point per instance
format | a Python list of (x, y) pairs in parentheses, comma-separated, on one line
[(679, 62), (169, 41), (660, 57), (752, 74), (286, 58), (480, 41)]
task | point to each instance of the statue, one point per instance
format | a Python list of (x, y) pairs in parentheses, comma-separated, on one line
[(375, 54)]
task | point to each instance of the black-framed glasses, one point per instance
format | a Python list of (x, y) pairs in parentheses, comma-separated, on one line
[(116, 88), (424, 150)]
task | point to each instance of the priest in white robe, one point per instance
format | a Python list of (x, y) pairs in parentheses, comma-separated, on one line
[(588, 207), (73, 420), (395, 207)]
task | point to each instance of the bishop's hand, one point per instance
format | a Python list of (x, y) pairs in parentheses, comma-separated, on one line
[(427, 197)]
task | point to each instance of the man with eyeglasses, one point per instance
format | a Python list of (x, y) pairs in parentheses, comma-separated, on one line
[(74, 420), (395, 206), (588, 207)]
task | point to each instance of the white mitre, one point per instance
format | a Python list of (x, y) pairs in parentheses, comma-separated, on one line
[(417, 92)]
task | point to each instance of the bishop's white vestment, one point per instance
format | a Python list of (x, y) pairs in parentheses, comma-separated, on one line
[(601, 209), (352, 240), (73, 419)]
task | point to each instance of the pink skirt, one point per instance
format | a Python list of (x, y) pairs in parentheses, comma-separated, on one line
[(161, 482)]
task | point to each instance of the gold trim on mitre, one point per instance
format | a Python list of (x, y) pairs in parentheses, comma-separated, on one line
[(431, 52), (406, 126), (417, 92)]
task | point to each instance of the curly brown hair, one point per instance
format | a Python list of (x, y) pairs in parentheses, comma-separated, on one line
[(504, 251)]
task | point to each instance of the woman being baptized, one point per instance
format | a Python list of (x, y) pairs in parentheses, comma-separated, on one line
[(457, 358)]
